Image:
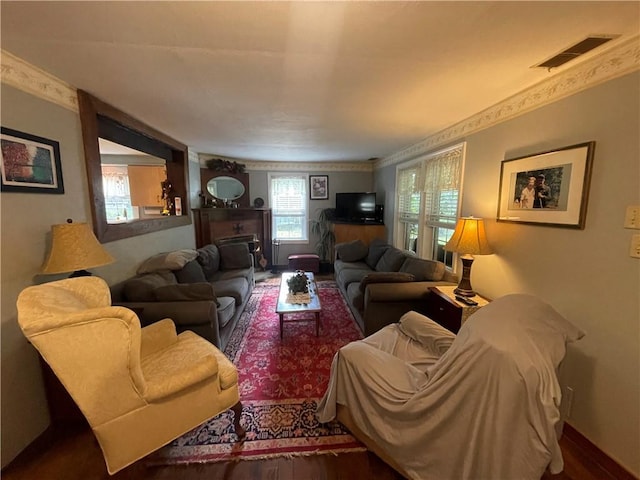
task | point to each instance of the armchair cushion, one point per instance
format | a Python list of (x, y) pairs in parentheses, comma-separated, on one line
[(385, 277), (187, 362), (185, 292), (167, 261), (352, 251), (191, 273), (424, 270)]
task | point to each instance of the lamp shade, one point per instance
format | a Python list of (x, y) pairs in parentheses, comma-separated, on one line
[(469, 238), (74, 247)]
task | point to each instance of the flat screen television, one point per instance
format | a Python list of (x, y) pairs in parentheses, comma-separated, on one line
[(356, 207)]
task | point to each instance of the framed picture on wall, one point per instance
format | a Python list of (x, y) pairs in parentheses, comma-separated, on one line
[(30, 163), (549, 188), (318, 187)]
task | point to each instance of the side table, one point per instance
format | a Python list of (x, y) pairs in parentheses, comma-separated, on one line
[(442, 307)]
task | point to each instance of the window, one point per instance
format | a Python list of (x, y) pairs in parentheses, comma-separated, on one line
[(117, 197), (429, 202), (289, 206)]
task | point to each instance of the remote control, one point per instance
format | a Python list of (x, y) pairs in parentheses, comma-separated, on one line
[(466, 301)]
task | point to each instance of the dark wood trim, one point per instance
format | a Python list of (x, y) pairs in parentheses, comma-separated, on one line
[(96, 117), (596, 455)]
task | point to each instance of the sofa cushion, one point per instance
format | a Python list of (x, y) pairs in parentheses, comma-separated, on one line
[(424, 270), (141, 289), (391, 260), (185, 292), (191, 273), (209, 259), (234, 256), (352, 251), (385, 277), (377, 247)]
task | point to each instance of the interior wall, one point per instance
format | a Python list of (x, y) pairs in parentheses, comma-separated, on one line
[(587, 275), (26, 220)]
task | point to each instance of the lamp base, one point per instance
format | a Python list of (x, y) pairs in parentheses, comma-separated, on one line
[(464, 287)]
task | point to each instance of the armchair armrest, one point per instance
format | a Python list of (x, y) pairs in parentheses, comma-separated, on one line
[(157, 336)]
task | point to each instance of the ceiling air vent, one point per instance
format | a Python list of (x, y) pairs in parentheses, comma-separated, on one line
[(575, 51)]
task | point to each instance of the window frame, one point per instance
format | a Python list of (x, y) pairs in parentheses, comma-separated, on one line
[(428, 228), (304, 178)]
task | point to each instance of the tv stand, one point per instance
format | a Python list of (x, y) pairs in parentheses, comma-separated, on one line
[(366, 232)]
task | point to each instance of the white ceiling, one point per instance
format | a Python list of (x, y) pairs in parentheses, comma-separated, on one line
[(304, 81)]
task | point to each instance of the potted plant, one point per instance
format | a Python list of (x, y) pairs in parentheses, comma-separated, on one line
[(321, 229)]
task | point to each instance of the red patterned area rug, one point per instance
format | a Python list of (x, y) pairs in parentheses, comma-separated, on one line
[(281, 381)]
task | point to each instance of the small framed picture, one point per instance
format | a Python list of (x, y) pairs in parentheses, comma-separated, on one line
[(548, 188), (318, 187), (30, 163)]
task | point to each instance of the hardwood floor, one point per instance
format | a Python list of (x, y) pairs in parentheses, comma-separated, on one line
[(73, 454)]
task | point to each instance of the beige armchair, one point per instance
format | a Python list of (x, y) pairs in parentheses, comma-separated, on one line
[(139, 388)]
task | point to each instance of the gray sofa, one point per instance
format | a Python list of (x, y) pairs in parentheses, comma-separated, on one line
[(202, 290), (381, 282)]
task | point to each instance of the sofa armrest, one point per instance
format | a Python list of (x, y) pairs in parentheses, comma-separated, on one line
[(182, 313), (385, 303)]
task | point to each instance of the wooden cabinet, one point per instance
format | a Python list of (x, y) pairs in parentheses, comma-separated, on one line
[(215, 223), (145, 185), (443, 308), (347, 232)]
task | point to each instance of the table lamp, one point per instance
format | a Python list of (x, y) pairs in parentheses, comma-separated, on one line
[(74, 248), (468, 240)]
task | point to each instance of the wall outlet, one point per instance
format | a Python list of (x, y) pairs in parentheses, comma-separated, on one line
[(634, 251), (632, 217)]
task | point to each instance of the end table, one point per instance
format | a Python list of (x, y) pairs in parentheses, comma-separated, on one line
[(442, 307)]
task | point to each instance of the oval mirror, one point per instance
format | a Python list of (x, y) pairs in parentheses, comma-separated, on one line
[(225, 188)]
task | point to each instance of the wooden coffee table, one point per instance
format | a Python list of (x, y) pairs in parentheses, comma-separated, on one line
[(283, 308)]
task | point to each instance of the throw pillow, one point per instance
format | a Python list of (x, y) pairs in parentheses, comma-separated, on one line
[(377, 247), (384, 277), (167, 261), (352, 251), (391, 260), (140, 289), (209, 258), (190, 273), (424, 270), (182, 292), (234, 256)]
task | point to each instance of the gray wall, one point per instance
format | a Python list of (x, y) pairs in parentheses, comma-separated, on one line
[(26, 224), (587, 275)]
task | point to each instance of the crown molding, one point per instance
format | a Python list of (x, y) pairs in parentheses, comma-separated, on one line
[(30, 79), (616, 62), (310, 166)]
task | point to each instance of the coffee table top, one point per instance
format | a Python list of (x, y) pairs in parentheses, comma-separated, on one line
[(284, 307)]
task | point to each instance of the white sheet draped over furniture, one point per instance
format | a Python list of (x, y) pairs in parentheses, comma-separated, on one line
[(480, 405)]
